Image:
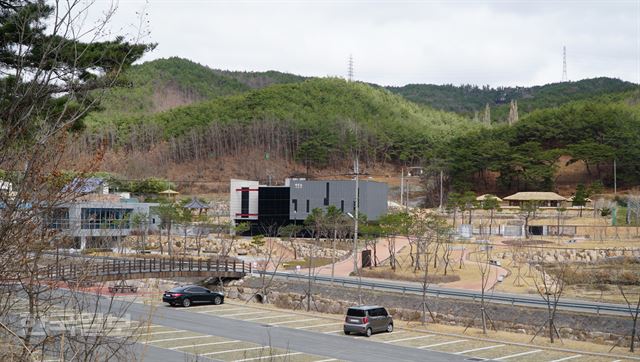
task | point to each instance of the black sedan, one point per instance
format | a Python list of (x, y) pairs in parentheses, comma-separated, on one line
[(190, 294)]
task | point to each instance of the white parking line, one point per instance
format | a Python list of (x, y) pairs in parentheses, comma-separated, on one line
[(319, 325), (161, 332), (480, 349), (233, 350), (206, 344), (340, 330), (326, 360), (261, 357), (294, 321), (239, 314), (221, 310), (442, 343), (567, 358), (517, 355), (409, 338), (271, 316), (174, 339)]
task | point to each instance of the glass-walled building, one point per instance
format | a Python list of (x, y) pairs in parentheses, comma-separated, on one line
[(100, 224)]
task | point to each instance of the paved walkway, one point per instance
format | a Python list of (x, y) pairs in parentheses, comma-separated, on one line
[(344, 267)]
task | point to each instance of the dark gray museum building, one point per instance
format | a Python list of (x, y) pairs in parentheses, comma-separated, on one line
[(268, 207)]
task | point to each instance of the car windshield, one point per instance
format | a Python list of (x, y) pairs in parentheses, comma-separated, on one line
[(356, 312), (177, 290)]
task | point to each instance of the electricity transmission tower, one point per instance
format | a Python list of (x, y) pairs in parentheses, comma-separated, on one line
[(350, 73), (564, 64)]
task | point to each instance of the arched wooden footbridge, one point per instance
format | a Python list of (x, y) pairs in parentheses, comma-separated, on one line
[(86, 270)]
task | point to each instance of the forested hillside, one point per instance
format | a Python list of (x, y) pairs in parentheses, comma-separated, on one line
[(184, 112), (164, 84), (468, 99), (525, 155), (256, 80), (315, 122)]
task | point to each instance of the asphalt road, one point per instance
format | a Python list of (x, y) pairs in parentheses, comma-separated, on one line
[(333, 346), (533, 301)]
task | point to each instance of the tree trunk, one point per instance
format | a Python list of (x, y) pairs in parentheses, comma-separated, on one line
[(633, 334)]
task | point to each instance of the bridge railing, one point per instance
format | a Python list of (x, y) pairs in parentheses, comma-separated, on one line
[(112, 266)]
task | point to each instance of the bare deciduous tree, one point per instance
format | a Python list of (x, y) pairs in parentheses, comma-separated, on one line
[(53, 70)]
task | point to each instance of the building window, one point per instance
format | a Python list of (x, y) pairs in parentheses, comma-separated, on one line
[(342, 205), (307, 205), (244, 202), (57, 218), (104, 218), (326, 198), (295, 205)]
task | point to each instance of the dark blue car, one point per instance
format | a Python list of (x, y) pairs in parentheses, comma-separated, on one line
[(190, 294)]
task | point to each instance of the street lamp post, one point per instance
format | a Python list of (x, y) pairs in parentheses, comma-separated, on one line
[(419, 171), (355, 217)]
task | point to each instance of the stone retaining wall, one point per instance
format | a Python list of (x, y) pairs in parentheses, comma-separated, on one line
[(335, 300)]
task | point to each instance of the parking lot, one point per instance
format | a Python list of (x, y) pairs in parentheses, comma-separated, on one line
[(218, 348), (314, 322)]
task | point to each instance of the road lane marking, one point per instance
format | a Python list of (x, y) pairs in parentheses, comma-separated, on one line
[(233, 350), (206, 344), (271, 316), (319, 325), (274, 356), (294, 321), (409, 338), (517, 355), (567, 358), (333, 331), (442, 343), (480, 349), (174, 339), (326, 360)]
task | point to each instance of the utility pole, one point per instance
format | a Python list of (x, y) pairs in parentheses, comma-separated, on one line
[(350, 72), (406, 205), (615, 178), (356, 167), (441, 193), (402, 188)]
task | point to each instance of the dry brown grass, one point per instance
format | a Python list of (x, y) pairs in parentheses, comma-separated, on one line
[(388, 274)]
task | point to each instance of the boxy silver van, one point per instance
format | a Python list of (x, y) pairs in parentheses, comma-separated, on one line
[(367, 319)]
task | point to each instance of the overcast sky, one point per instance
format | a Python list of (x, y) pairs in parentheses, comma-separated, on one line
[(395, 43)]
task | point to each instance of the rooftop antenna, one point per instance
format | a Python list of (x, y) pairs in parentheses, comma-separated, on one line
[(350, 73), (564, 64)]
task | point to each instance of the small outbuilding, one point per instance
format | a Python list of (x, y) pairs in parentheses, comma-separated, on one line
[(544, 199), (196, 205), (169, 193)]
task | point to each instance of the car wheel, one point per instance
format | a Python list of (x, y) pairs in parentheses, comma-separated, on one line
[(186, 302), (368, 332), (390, 328), (172, 304), (217, 300), (347, 333)]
